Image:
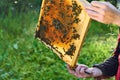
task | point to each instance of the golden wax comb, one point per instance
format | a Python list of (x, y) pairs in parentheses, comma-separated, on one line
[(62, 27)]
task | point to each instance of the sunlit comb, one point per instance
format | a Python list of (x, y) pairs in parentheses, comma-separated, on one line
[(62, 27)]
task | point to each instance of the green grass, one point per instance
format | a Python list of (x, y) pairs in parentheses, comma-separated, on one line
[(22, 57)]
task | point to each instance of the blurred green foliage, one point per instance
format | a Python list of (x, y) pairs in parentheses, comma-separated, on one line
[(18, 6), (22, 57)]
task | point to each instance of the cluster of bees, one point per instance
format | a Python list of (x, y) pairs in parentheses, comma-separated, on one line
[(60, 26)]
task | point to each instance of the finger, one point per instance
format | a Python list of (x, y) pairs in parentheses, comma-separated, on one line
[(77, 69), (95, 18), (80, 68), (99, 19), (78, 72), (82, 72), (71, 70), (92, 13), (95, 9), (99, 4)]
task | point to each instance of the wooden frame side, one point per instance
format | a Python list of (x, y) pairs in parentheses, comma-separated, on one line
[(84, 31)]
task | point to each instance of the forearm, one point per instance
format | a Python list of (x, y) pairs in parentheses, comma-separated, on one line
[(109, 67)]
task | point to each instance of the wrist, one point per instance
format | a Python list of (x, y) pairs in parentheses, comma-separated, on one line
[(96, 72)]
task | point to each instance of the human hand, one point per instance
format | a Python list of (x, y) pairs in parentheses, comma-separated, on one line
[(103, 12), (79, 71), (82, 71)]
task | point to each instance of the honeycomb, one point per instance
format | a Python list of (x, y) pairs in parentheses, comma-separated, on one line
[(62, 26)]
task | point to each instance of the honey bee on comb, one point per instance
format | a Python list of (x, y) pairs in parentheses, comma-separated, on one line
[(62, 26)]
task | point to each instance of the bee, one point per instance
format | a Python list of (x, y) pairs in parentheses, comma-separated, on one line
[(74, 30), (71, 50), (46, 10), (50, 1), (62, 14), (76, 36), (47, 41), (58, 25), (68, 7), (76, 20), (41, 31)]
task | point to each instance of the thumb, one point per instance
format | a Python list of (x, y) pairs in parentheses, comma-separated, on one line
[(89, 71)]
